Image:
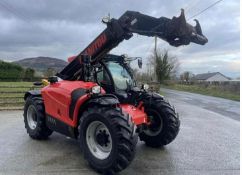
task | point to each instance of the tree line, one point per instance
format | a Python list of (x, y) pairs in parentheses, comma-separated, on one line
[(14, 72)]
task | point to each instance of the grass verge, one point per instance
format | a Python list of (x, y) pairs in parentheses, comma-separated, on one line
[(211, 91)]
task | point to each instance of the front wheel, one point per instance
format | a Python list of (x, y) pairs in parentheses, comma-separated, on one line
[(164, 124), (107, 139), (34, 119)]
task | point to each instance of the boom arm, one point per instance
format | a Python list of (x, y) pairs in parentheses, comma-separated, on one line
[(175, 31)]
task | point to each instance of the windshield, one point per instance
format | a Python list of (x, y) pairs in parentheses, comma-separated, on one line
[(121, 76)]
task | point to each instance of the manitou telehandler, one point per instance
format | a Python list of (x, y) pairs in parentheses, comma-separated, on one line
[(95, 98)]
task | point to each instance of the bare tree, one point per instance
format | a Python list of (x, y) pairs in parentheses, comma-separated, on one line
[(186, 76)]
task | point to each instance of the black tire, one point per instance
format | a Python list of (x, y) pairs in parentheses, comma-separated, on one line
[(123, 138), (41, 131), (164, 126)]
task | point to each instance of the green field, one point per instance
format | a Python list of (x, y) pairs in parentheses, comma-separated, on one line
[(211, 91), (12, 93), (15, 84)]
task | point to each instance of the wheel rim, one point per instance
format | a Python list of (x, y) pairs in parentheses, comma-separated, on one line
[(32, 117), (156, 123), (99, 140)]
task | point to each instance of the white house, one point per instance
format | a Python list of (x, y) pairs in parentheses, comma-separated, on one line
[(215, 76)]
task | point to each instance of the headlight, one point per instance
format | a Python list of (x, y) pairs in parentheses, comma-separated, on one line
[(96, 89), (145, 87)]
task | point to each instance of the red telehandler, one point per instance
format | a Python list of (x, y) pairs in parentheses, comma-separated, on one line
[(95, 98)]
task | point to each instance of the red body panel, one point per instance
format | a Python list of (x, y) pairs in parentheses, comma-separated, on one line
[(70, 59), (138, 116), (57, 100)]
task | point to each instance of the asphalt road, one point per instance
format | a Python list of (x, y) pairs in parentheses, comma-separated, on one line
[(227, 108), (208, 143)]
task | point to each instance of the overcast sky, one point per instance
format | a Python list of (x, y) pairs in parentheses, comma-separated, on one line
[(60, 28)]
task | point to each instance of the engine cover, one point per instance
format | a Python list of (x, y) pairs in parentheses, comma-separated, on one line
[(60, 99)]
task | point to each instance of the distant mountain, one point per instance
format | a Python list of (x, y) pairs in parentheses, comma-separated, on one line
[(41, 64)]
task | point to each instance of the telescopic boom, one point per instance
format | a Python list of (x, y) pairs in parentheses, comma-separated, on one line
[(175, 31)]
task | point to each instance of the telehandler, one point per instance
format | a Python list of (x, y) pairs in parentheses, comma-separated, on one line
[(96, 100)]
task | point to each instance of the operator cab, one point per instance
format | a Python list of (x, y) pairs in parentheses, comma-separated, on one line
[(115, 76)]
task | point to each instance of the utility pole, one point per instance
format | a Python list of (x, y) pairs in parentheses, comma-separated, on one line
[(155, 44), (155, 54)]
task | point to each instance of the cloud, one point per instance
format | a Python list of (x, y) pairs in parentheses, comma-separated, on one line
[(60, 28)]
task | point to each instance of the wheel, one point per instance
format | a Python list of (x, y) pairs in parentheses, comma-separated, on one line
[(34, 119), (164, 124), (107, 139)]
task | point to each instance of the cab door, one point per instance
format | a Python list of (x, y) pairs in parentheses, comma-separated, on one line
[(104, 79)]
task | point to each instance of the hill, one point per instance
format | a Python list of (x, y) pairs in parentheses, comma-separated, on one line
[(41, 64)]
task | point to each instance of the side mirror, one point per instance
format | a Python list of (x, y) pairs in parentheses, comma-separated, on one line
[(140, 62)]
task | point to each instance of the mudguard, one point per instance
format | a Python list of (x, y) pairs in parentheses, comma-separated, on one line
[(138, 116), (35, 93), (83, 102), (104, 100), (151, 96)]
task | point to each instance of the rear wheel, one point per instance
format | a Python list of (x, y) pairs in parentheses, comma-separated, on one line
[(164, 124), (34, 119), (107, 138)]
